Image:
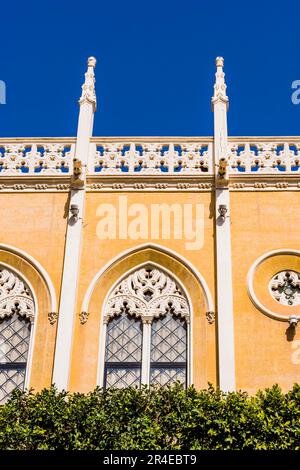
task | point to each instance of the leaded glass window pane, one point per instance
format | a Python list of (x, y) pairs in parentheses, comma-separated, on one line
[(11, 378), (166, 375), (14, 346), (119, 377), (168, 350), (168, 339), (124, 339), (123, 352)]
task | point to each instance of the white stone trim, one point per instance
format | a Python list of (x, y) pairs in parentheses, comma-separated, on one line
[(223, 235), (146, 348), (225, 296), (43, 273), (146, 339), (67, 306), (250, 282), (101, 353), (71, 266)]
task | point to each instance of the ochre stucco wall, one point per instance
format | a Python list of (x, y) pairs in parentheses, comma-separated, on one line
[(262, 222), (36, 224), (97, 253)]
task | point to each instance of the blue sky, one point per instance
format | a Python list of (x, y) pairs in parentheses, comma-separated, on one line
[(155, 67)]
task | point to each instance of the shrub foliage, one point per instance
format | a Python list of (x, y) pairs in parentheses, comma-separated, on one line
[(169, 418)]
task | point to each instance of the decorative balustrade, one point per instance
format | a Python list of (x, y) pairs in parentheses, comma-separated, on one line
[(150, 158), (182, 157), (36, 158), (264, 157)]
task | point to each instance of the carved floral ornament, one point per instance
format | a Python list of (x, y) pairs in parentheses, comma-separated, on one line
[(15, 296), (147, 293), (285, 287)]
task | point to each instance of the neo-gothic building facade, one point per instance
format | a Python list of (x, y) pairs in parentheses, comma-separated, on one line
[(129, 261)]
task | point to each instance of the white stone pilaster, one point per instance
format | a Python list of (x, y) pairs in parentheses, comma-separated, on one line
[(68, 297), (223, 236)]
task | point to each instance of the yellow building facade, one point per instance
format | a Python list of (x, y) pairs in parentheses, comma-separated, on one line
[(129, 261)]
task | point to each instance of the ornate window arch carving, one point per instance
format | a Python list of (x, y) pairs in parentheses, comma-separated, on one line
[(17, 312), (147, 318)]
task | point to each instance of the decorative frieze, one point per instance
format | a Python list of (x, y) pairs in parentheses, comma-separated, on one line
[(264, 157), (19, 187), (146, 160), (129, 184), (267, 183), (260, 185), (35, 158), (150, 158), (32, 186), (63, 187)]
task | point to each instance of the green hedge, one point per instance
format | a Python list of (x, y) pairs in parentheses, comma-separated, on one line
[(169, 418)]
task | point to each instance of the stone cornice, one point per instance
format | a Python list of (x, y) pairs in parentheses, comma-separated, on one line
[(171, 183), (34, 183), (150, 163), (150, 183)]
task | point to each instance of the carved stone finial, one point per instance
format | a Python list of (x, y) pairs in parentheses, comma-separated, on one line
[(52, 317), (219, 62), (220, 85), (83, 317), (210, 316), (92, 62), (88, 94)]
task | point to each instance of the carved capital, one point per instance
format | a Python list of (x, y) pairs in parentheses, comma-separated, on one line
[(83, 317), (210, 316), (147, 319), (52, 317)]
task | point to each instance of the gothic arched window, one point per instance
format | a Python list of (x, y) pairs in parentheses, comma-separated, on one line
[(146, 321), (16, 316)]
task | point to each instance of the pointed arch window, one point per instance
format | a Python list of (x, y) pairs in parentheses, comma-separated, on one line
[(146, 331), (16, 317)]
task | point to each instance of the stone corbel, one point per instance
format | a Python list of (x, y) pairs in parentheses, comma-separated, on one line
[(77, 180)]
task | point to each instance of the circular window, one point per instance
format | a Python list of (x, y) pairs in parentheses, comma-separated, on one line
[(285, 288)]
